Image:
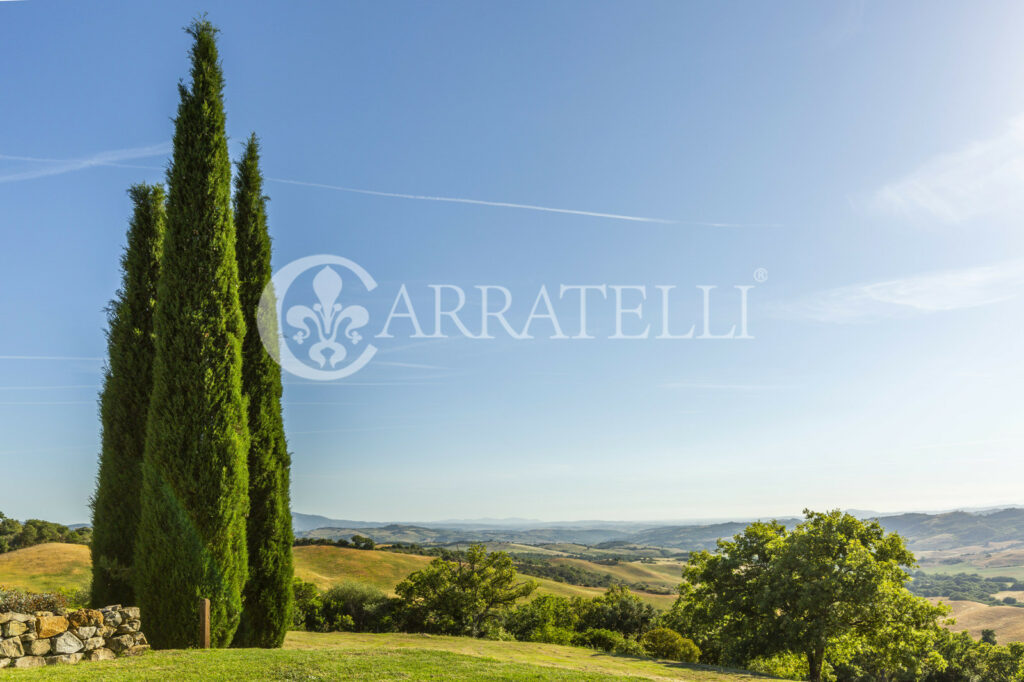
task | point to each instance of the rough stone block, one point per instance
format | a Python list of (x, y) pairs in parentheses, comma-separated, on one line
[(101, 654), (39, 647), (85, 632), (11, 648), (4, 662), (14, 628), (50, 626), (120, 643), (136, 650), (67, 643), (28, 662), (85, 617), (63, 659), (94, 643)]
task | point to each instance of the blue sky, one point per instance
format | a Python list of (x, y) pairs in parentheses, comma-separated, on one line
[(869, 158)]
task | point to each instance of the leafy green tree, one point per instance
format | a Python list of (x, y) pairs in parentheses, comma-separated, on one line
[(461, 597), (192, 533), (819, 589), (267, 599), (124, 401), (362, 542), (547, 618), (988, 636), (617, 609)]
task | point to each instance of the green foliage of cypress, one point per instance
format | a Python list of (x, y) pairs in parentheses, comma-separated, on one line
[(124, 401), (267, 603), (191, 541)]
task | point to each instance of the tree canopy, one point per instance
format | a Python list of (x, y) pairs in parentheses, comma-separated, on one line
[(827, 588)]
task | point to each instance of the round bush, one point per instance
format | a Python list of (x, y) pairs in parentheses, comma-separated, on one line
[(666, 643)]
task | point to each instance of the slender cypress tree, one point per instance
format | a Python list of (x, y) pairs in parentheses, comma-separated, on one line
[(124, 401), (191, 541), (267, 599)]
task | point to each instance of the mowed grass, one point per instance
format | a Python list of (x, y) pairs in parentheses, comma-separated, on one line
[(350, 656), (47, 567)]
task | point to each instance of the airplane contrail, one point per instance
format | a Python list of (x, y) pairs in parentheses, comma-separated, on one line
[(61, 166), (115, 157), (506, 204)]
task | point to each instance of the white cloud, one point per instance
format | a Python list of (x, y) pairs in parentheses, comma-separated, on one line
[(926, 293), (983, 178)]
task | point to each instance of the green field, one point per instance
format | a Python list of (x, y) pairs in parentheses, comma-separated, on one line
[(312, 656)]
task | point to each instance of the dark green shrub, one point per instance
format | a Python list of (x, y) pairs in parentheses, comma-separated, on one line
[(12, 599), (666, 643), (307, 611), (356, 607)]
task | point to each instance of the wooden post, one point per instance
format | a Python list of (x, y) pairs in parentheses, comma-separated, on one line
[(204, 623)]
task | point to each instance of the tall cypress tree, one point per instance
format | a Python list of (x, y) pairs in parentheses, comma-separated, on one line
[(124, 401), (191, 541), (267, 599)]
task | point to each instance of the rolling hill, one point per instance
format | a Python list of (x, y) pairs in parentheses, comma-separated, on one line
[(55, 565), (325, 566), (47, 567)]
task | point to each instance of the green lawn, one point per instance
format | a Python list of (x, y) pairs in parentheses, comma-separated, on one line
[(313, 656)]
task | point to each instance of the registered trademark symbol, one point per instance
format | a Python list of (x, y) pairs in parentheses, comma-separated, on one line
[(760, 275)]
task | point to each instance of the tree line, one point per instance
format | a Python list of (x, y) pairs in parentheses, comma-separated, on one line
[(192, 492), (16, 534)]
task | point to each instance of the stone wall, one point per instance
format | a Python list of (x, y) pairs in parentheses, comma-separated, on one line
[(45, 638)]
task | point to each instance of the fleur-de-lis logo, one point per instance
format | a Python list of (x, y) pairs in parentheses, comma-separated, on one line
[(326, 331), (327, 316)]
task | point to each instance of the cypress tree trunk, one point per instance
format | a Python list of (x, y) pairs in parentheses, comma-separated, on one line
[(267, 599), (124, 402), (191, 541)]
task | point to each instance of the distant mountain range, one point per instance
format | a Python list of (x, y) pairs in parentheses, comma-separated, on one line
[(923, 531)]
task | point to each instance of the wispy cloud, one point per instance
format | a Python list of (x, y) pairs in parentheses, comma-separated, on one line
[(61, 166), (925, 293), (408, 365), (47, 388), (528, 207), (713, 386), (49, 357), (982, 178)]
